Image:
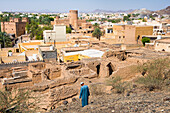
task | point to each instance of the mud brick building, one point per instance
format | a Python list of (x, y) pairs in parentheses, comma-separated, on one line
[(72, 21), (15, 26)]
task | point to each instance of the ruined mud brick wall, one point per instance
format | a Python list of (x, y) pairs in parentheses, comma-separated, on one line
[(80, 72), (121, 55), (102, 67), (79, 69), (62, 93), (15, 77), (41, 71), (106, 68), (52, 92), (19, 83), (34, 71), (74, 65), (5, 73), (93, 63), (64, 86), (137, 60), (54, 73), (51, 98), (17, 64)]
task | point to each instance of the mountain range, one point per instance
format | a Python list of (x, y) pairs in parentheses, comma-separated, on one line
[(164, 11), (131, 11)]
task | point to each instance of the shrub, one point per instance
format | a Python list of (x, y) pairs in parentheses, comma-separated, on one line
[(10, 51), (145, 40), (16, 101), (150, 82), (156, 71), (117, 84), (96, 89), (68, 29)]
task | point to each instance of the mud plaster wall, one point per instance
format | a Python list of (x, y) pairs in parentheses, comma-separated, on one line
[(106, 69)]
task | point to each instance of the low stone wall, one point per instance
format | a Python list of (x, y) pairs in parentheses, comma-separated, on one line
[(80, 72), (17, 64)]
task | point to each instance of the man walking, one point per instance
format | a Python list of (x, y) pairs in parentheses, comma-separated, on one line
[(84, 94)]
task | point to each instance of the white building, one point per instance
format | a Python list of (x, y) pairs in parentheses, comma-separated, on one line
[(58, 34)]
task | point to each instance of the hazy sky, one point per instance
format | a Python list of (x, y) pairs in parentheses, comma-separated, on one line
[(81, 5)]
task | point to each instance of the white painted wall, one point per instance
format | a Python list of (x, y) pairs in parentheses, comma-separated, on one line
[(58, 34)]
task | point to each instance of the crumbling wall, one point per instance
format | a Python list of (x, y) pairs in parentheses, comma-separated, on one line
[(107, 68), (120, 55), (15, 83), (61, 93), (79, 72), (93, 64), (40, 72)]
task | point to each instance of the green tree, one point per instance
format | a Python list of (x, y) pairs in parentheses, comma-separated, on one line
[(145, 40), (162, 17), (5, 40), (151, 17), (126, 18), (97, 33), (96, 25), (51, 19), (90, 20), (129, 15), (114, 20), (68, 29), (35, 30), (39, 33), (32, 28)]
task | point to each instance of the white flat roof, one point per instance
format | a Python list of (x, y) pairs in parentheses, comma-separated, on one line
[(88, 52), (31, 46)]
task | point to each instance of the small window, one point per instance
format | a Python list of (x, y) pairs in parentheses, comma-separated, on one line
[(17, 50), (119, 36), (123, 36)]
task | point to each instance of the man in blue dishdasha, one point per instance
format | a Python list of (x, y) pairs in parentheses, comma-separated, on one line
[(84, 94)]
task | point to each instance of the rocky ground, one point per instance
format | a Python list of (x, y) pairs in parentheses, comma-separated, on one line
[(141, 102)]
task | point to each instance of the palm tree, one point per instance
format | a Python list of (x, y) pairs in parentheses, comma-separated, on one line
[(5, 40), (97, 33)]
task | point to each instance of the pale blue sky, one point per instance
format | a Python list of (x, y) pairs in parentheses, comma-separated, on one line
[(81, 5)]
